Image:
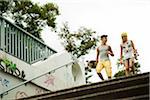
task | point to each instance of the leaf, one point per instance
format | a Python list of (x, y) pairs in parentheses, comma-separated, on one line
[(78, 43), (30, 16), (120, 73), (88, 77)]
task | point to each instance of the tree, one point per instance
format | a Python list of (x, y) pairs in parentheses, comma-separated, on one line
[(90, 64), (5, 7), (29, 16), (78, 43), (87, 71)]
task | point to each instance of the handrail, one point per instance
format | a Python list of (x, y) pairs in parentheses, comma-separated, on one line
[(21, 44), (25, 82), (26, 32)]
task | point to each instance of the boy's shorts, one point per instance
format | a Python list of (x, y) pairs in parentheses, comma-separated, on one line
[(104, 64)]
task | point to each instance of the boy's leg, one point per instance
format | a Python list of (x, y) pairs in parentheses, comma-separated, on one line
[(108, 69), (101, 76), (126, 65), (99, 67)]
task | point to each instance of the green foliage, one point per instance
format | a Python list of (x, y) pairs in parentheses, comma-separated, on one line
[(122, 72), (87, 74), (88, 78), (137, 66), (78, 43), (29, 16), (118, 61), (5, 6), (9, 64)]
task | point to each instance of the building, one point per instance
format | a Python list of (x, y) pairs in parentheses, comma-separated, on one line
[(29, 67)]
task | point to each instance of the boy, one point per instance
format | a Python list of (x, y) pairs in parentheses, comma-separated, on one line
[(102, 58)]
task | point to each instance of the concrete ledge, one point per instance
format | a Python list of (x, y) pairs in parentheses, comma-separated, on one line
[(124, 87)]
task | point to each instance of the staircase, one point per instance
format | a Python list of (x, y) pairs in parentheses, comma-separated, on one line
[(125, 88), (25, 56)]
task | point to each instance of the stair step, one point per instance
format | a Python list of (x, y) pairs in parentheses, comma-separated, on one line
[(100, 88), (124, 87), (114, 94), (140, 97)]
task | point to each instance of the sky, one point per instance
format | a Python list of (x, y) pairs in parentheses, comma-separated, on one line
[(111, 17)]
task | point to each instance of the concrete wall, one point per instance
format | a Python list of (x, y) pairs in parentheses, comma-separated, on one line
[(69, 73), (7, 81)]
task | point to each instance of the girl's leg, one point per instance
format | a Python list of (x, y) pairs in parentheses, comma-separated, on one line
[(131, 65), (126, 64)]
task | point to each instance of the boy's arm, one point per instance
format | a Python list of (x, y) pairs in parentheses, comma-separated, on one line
[(110, 51), (97, 54)]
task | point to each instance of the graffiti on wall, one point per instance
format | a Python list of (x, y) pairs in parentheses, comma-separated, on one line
[(9, 67), (49, 80), (4, 82), (20, 94), (39, 91)]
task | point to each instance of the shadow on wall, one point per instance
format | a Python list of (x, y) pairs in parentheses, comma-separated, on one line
[(77, 73)]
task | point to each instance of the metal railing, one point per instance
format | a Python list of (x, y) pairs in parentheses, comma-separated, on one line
[(21, 44)]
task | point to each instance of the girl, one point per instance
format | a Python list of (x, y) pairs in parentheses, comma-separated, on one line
[(127, 52)]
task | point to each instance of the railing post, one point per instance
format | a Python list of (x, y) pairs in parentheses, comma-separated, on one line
[(46, 52), (2, 33)]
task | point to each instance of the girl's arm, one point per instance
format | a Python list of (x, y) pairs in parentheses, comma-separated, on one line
[(121, 54), (133, 46)]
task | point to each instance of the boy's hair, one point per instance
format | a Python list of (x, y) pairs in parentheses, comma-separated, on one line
[(103, 36)]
